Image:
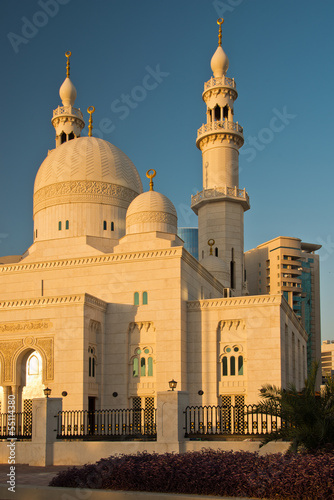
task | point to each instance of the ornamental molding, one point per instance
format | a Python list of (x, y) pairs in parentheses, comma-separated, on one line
[(95, 326), (25, 326), (62, 300), (225, 92), (147, 326), (10, 351), (255, 300), (235, 324), (147, 217), (82, 191), (220, 137), (87, 261)]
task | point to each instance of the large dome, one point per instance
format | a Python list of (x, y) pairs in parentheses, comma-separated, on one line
[(86, 166), (88, 158)]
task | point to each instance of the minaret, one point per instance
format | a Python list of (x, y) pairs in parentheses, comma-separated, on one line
[(221, 204), (67, 120)]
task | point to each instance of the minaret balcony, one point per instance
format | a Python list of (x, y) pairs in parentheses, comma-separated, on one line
[(221, 81), (67, 111), (220, 194), (216, 127)]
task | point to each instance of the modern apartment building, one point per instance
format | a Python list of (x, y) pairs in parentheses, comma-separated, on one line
[(290, 267)]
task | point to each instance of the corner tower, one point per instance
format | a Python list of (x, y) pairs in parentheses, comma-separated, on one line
[(220, 206)]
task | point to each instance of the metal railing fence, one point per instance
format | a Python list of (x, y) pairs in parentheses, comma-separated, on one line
[(123, 424), (214, 421), (16, 425)]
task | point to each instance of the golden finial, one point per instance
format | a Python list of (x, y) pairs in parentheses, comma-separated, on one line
[(211, 242), (220, 22), (68, 55), (90, 110), (150, 174)]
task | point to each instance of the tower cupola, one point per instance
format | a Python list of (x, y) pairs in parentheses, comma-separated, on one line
[(67, 120)]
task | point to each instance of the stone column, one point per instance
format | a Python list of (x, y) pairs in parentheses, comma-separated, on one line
[(17, 392), (6, 392), (170, 417), (44, 429)]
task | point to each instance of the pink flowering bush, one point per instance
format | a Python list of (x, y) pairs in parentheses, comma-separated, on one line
[(300, 476)]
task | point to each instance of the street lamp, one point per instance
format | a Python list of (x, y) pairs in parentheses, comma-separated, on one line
[(172, 384), (47, 392)]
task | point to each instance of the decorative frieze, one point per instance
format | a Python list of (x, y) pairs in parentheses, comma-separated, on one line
[(143, 217), (196, 305), (96, 259), (83, 191), (84, 298), (25, 326)]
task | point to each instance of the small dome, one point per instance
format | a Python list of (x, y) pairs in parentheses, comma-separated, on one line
[(67, 92), (219, 63), (151, 211), (218, 268)]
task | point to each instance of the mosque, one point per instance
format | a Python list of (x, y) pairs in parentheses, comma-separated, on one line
[(107, 305)]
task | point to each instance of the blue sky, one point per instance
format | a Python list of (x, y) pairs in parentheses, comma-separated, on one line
[(281, 55)]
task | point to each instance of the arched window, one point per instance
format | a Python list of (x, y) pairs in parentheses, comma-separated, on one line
[(225, 111), (145, 298), (232, 361), (136, 299), (112, 226), (67, 224), (142, 367), (104, 225), (216, 252), (150, 367), (224, 366), (62, 138), (91, 362), (135, 372), (232, 365), (59, 225), (142, 362), (217, 113), (70, 136), (240, 365)]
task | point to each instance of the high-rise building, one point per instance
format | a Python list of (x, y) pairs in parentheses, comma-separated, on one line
[(290, 267), (327, 358)]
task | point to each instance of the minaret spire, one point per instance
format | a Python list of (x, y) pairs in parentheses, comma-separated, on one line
[(67, 120), (68, 55), (220, 22), (90, 110), (150, 174), (221, 204)]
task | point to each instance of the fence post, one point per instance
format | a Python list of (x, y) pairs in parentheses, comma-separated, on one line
[(44, 429), (170, 417)]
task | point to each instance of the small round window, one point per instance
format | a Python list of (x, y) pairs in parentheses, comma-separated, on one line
[(138, 351), (146, 351), (236, 349), (228, 349)]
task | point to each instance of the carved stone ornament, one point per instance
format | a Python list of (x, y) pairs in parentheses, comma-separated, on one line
[(10, 351), (143, 217), (25, 326), (140, 325), (83, 191)]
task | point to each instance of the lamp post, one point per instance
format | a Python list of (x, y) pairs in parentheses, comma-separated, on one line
[(47, 392), (172, 384)]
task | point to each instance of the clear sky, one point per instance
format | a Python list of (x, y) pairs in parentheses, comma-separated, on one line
[(281, 55)]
